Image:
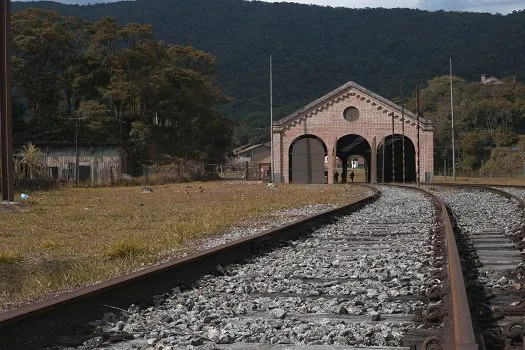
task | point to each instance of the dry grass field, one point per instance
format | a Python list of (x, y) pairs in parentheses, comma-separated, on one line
[(68, 238), (511, 181)]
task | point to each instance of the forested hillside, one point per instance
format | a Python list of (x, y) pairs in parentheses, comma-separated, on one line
[(316, 49), (119, 84)]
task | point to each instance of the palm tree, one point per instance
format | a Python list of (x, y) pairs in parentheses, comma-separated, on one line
[(33, 158)]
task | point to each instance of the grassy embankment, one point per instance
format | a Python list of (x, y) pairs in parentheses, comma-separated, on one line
[(511, 181), (74, 237)]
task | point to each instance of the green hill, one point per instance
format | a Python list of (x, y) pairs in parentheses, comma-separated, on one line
[(316, 49)]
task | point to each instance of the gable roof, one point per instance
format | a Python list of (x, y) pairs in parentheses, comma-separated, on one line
[(244, 149), (334, 93)]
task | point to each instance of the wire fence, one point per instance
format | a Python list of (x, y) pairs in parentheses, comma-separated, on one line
[(236, 171)]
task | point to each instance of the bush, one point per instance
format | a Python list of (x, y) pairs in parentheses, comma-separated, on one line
[(24, 184)]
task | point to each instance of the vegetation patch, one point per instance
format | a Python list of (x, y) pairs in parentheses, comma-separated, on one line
[(74, 237), (122, 250), (510, 181), (10, 257)]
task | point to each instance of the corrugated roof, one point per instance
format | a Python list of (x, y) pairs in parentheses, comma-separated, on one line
[(253, 147)]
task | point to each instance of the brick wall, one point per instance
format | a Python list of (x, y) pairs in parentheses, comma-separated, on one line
[(324, 119)]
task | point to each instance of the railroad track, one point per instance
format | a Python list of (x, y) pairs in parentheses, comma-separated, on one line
[(383, 273), (489, 230)]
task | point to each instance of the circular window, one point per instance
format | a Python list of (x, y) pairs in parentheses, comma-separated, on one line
[(351, 114)]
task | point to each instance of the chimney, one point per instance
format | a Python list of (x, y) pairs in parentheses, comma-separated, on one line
[(483, 78)]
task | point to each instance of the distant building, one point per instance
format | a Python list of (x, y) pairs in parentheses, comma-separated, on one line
[(257, 155), (98, 163), (358, 127), (490, 80)]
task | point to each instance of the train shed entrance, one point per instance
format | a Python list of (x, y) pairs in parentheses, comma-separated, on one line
[(329, 135)]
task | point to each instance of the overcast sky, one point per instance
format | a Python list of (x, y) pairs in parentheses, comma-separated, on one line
[(493, 6)]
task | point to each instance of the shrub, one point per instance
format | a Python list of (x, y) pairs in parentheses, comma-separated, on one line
[(38, 184), (10, 257), (124, 250)]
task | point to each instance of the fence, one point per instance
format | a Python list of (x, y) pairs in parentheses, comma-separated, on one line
[(235, 171), (197, 171)]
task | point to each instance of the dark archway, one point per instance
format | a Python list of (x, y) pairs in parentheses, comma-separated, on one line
[(410, 160), (353, 145), (307, 154)]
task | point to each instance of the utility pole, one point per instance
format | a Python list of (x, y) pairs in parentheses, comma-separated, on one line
[(452, 115), (393, 150), (271, 122), (417, 113), (403, 128), (6, 129)]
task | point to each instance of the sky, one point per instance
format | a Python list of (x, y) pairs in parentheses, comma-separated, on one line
[(492, 6)]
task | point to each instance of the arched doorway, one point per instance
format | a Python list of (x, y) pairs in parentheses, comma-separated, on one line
[(307, 154), (351, 148), (384, 159)]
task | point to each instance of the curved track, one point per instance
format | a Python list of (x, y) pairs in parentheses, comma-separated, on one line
[(383, 272), (489, 229)]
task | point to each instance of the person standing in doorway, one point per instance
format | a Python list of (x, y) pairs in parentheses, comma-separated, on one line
[(352, 176)]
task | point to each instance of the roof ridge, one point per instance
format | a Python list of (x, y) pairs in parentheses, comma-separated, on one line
[(335, 92)]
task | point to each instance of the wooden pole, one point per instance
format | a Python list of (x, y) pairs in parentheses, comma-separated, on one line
[(6, 130)]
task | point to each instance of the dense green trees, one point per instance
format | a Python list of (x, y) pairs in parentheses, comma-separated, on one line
[(315, 49), (488, 120), (156, 99)]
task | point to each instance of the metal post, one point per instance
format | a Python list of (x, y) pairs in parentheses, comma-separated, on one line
[(452, 115), (403, 129), (417, 114), (271, 123), (383, 162), (393, 151), (373, 160), (76, 152), (6, 130)]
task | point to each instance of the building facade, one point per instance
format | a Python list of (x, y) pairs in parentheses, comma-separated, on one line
[(352, 121), (258, 156), (97, 163)]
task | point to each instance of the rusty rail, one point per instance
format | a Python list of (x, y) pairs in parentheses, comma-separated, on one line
[(463, 331), (39, 324)]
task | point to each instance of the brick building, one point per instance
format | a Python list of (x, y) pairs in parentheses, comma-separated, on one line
[(347, 122)]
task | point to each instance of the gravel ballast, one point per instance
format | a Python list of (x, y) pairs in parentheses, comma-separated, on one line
[(481, 211), (355, 282), (489, 227)]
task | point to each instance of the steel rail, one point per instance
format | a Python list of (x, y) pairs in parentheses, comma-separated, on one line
[(37, 325), (499, 190), (463, 338)]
